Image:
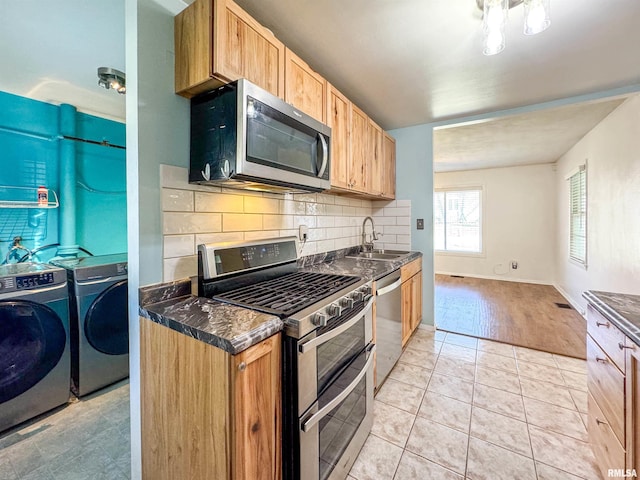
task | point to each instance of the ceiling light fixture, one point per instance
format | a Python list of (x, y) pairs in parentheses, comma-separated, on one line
[(494, 20), (111, 78)]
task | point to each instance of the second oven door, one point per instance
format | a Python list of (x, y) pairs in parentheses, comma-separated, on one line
[(335, 428), (323, 354)]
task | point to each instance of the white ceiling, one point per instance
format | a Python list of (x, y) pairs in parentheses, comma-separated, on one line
[(408, 62), (526, 139), (404, 62), (51, 51)]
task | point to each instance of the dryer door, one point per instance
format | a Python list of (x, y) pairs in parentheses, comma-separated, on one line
[(106, 324), (32, 341)]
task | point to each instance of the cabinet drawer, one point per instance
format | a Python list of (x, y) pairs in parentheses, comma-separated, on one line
[(607, 336), (606, 448), (410, 269), (606, 385)]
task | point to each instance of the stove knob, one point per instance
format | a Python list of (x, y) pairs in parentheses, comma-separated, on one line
[(334, 310), (366, 292), (319, 319), (358, 296), (347, 302)]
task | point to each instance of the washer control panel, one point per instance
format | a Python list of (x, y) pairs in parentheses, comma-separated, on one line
[(26, 282)]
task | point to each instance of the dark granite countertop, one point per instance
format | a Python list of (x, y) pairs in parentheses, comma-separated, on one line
[(367, 269), (231, 328), (623, 310), (235, 329)]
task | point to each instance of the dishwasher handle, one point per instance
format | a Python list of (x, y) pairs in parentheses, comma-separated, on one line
[(389, 288)]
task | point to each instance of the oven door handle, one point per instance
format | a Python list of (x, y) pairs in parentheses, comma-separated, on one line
[(320, 414), (311, 344)]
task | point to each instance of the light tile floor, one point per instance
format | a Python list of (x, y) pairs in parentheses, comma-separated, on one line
[(456, 407), (86, 440), (453, 408)]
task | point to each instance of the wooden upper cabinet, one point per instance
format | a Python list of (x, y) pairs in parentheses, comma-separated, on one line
[(358, 178), (389, 167), (304, 88), (339, 119), (217, 42), (375, 159)]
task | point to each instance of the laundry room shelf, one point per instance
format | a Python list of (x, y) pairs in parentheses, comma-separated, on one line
[(26, 197)]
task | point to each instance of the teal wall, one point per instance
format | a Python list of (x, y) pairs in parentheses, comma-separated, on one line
[(29, 157)]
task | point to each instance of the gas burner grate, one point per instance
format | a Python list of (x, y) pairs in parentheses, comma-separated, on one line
[(288, 294)]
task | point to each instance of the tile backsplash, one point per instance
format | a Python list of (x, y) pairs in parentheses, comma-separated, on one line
[(194, 214)]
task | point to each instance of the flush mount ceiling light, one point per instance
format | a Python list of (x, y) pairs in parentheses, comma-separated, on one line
[(112, 78), (494, 20)]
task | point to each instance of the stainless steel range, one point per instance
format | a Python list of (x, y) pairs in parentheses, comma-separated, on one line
[(327, 348)]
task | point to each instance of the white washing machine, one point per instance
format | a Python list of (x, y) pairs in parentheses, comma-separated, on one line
[(34, 341), (99, 321)]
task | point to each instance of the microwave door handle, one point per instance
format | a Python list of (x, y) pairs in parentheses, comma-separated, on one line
[(311, 344), (325, 155), (316, 417)]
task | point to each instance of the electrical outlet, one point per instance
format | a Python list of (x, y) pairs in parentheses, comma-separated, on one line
[(514, 265), (420, 224), (303, 232)]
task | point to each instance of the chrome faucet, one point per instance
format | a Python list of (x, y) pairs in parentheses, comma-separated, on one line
[(368, 246)]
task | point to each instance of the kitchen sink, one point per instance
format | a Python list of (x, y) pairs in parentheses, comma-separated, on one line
[(383, 255)]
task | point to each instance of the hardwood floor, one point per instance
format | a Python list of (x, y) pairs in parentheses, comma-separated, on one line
[(522, 314)]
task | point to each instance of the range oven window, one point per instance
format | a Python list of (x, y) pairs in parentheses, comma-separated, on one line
[(339, 427), (335, 354)]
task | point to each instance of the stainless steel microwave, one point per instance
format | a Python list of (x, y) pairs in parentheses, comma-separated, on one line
[(244, 137)]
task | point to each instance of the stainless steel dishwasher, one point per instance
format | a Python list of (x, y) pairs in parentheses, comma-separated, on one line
[(388, 324)]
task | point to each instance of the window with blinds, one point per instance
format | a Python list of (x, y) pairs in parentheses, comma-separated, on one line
[(457, 220), (578, 220)]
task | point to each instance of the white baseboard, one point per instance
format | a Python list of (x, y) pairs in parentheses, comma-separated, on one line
[(578, 308), (496, 277)]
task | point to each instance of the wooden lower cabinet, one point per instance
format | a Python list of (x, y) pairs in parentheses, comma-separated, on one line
[(613, 363), (206, 413), (632, 416), (411, 275)]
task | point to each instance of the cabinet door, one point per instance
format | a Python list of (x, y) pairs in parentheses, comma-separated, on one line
[(245, 49), (416, 301), (304, 88), (632, 415), (256, 410), (192, 36), (389, 167), (375, 171), (406, 311), (339, 119), (359, 150)]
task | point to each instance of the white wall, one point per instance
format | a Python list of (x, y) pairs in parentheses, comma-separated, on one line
[(612, 153), (518, 224)]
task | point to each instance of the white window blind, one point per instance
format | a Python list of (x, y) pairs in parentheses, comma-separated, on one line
[(457, 220), (578, 219)]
